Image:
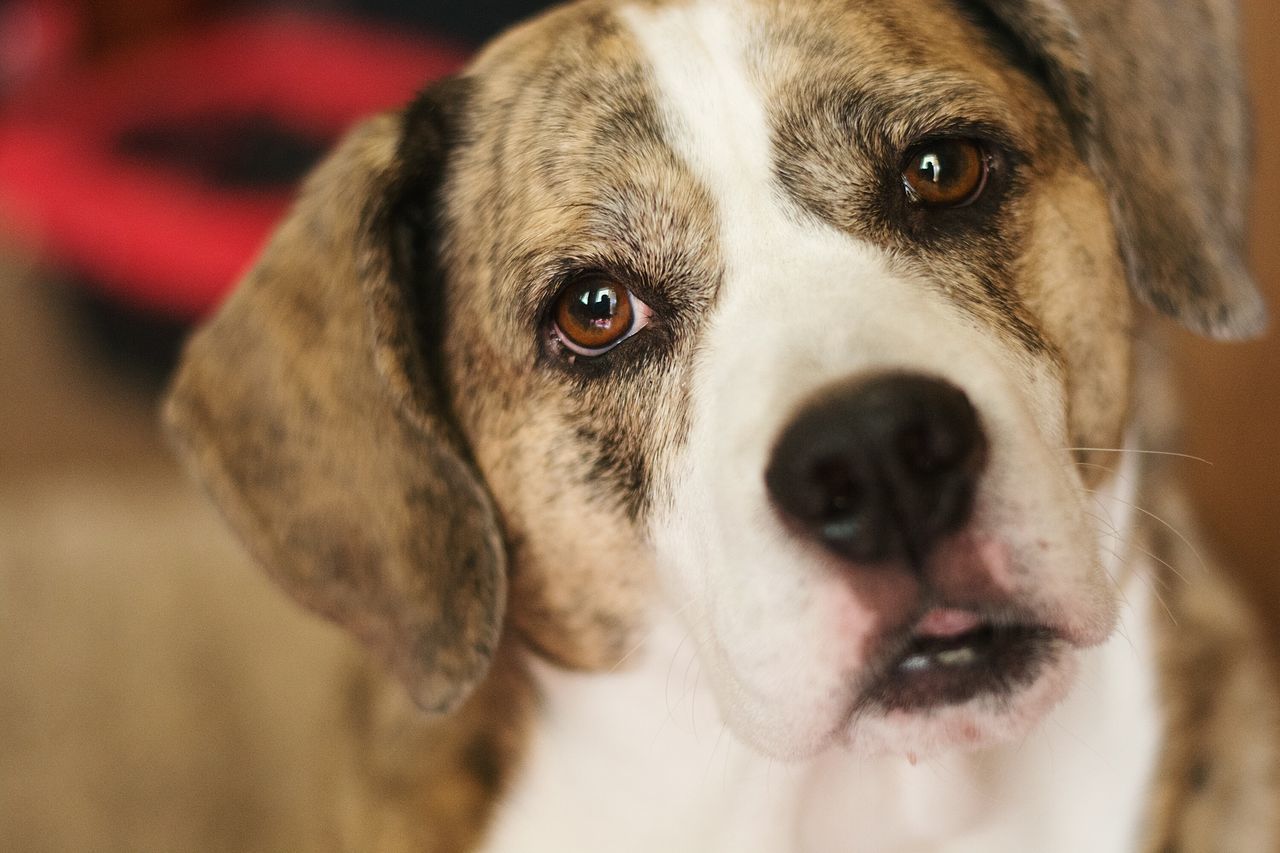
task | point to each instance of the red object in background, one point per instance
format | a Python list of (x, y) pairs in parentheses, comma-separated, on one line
[(35, 36), (93, 165)]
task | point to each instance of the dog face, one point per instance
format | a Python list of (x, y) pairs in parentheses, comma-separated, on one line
[(787, 321)]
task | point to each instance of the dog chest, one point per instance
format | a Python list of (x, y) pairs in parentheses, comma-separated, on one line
[(638, 761)]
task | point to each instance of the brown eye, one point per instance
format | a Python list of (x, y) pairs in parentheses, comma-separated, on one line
[(946, 172), (594, 314)]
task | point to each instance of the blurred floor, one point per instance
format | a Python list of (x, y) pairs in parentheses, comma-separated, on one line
[(158, 694)]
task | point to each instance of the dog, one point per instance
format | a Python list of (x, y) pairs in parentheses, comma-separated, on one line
[(740, 425)]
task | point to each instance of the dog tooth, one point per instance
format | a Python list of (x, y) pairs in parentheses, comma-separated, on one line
[(956, 657), (915, 663)]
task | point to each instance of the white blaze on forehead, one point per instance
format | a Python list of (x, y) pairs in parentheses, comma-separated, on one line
[(717, 122), (716, 118), (784, 634)]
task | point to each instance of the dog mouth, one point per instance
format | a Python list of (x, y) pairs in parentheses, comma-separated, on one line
[(952, 657)]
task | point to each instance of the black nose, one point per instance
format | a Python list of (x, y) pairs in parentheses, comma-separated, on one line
[(882, 468)]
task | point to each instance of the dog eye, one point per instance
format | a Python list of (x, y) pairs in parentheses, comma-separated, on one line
[(594, 314), (946, 172)]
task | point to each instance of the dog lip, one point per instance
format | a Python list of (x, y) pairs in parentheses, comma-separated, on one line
[(953, 656), (947, 622)]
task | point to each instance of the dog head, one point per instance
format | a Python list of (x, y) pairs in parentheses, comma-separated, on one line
[(787, 320)]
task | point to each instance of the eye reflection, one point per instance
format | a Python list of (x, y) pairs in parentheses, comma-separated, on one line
[(930, 167), (598, 307)]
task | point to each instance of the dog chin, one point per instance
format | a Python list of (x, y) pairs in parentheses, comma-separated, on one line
[(985, 720), (869, 729)]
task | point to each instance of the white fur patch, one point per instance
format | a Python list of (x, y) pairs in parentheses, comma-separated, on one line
[(782, 632), (639, 761)]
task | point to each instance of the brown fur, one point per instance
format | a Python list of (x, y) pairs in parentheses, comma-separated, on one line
[(1218, 782), (1082, 305), (381, 414), (571, 449), (349, 487), (1153, 93), (421, 784), (848, 100)]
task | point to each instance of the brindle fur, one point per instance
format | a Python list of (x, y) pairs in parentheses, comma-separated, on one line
[(383, 417), (1218, 783), (571, 448), (420, 784)]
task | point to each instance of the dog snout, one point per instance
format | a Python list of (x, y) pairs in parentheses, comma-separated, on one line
[(879, 470)]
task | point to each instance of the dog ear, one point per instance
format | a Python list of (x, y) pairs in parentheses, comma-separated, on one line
[(309, 407), (1153, 92)]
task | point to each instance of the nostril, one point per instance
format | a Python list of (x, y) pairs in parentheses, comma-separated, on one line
[(837, 487), (929, 448), (924, 450)]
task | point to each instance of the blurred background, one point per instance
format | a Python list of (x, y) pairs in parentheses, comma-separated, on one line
[(145, 148), (1232, 393)]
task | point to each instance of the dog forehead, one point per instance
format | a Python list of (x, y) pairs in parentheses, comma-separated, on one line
[(567, 67), (567, 165), (731, 79), (600, 95)]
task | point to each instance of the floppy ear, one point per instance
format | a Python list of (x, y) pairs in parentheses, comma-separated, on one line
[(308, 407), (1153, 92)]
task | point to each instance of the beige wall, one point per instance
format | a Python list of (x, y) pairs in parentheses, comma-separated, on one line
[(1233, 391)]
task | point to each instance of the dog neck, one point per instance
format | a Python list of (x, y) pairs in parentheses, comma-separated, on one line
[(638, 759)]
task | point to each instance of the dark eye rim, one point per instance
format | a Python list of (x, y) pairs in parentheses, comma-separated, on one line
[(988, 157)]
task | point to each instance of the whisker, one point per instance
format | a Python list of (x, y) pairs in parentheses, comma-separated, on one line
[(1109, 762), (1115, 582), (684, 682), (1133, 450), (1152, 581), (692, 694), (1128, 543), (669, 716), (1128, 481), (724, 768), (1121, 540), (1114, 531), (1147, 553), (648, 634), (693, 703), (1120, 629), (1152, 584), (631, 652), (1123, 558), (666, 687), (1170, 527), (711, 759)]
